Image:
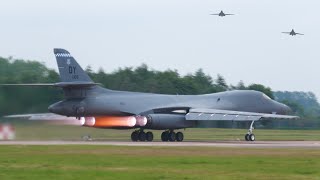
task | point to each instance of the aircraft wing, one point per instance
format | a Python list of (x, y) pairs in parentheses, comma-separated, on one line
[(215, 14), (286, 32), (226, 115), (228, 14), (299, 34)]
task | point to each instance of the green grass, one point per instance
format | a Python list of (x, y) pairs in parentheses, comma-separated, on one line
[(28, 130), (111, 162)]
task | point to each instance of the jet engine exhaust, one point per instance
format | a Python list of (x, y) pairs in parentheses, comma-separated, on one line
[(141, 121), (87, 121), (113, 121), (109, 121)]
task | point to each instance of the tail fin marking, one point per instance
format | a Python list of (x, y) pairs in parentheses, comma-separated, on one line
[(69, 69)]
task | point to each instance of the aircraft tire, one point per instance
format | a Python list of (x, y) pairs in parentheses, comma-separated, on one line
[(142, 136), (134, 136), (247, 137), (179, 136), (252, 137), (172, 136), (164, 136), (149, 136)]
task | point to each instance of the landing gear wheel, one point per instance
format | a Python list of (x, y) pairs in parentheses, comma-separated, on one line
[(149, 136), (172, 136), (164, 136), (179, 136), (247, 137), (134, 136), (142, 136), (252, 137)]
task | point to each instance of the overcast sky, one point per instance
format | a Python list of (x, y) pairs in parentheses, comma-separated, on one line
[(173, 34)]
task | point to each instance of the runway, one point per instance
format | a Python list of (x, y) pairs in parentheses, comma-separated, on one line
[(231, 144)]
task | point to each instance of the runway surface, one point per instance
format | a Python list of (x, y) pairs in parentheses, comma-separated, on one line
[(234, 144)]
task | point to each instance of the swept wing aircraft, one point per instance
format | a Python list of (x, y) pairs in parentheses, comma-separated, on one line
[(222, 14), (98, 107), (292, 33)]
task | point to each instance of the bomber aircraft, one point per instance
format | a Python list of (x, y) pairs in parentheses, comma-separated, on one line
[(292, 33), (222, 14), (98, 107)]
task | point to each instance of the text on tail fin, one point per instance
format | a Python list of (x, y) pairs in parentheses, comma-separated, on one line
[(69, 69)]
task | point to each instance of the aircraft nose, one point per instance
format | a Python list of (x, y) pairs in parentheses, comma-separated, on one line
[(284, 109), (287, 110)]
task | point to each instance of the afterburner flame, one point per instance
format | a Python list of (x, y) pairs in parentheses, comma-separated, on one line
[(114, 121), (141, 121), (89, 121)]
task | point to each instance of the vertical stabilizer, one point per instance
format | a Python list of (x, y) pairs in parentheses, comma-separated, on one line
[(69, 69)]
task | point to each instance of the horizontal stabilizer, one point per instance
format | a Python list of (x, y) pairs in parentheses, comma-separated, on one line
[(48, 118), (36, 84), (74, 84)]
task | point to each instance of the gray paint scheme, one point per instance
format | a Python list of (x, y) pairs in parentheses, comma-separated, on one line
[(222, 14), (84, 98), (292, 33), (89, 99)]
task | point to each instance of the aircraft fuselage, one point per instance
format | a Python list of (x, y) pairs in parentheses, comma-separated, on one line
[(121, 103)]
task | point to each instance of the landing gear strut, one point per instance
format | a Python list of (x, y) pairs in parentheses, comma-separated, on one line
[(140, 135), (172, 136), (250, 136)]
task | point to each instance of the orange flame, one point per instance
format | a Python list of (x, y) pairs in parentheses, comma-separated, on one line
[(114, 121)]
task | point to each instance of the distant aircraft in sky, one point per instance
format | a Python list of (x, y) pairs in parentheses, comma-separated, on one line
[(292, 33), (99, 107), (221, 14)]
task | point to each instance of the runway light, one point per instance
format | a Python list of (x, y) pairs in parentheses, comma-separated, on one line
[(115, 121)]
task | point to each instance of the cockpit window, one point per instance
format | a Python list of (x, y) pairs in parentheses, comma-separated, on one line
[(266, 97)]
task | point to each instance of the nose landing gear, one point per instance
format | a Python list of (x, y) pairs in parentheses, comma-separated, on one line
[(250, 136)]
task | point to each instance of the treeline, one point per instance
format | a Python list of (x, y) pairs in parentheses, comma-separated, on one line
[(305, 104), (22, 99), (141, 79), (144, 79)]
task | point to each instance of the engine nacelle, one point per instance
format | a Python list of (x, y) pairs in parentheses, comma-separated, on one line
[(168, 121)]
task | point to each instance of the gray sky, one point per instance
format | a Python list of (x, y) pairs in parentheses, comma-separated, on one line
[(173, 34)]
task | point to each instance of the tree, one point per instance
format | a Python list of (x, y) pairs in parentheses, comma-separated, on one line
[(261, 88), (241, 86), (221, 82)]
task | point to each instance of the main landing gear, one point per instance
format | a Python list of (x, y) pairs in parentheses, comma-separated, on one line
[(140, 135), (250, 136), (172, 136)]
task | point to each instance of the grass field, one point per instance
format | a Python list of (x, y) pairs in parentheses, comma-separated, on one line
[(111, 162), (26, 130), (119, 162)]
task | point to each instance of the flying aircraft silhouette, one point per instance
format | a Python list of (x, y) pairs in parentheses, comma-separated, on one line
[(222, 14), (292, 33)]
